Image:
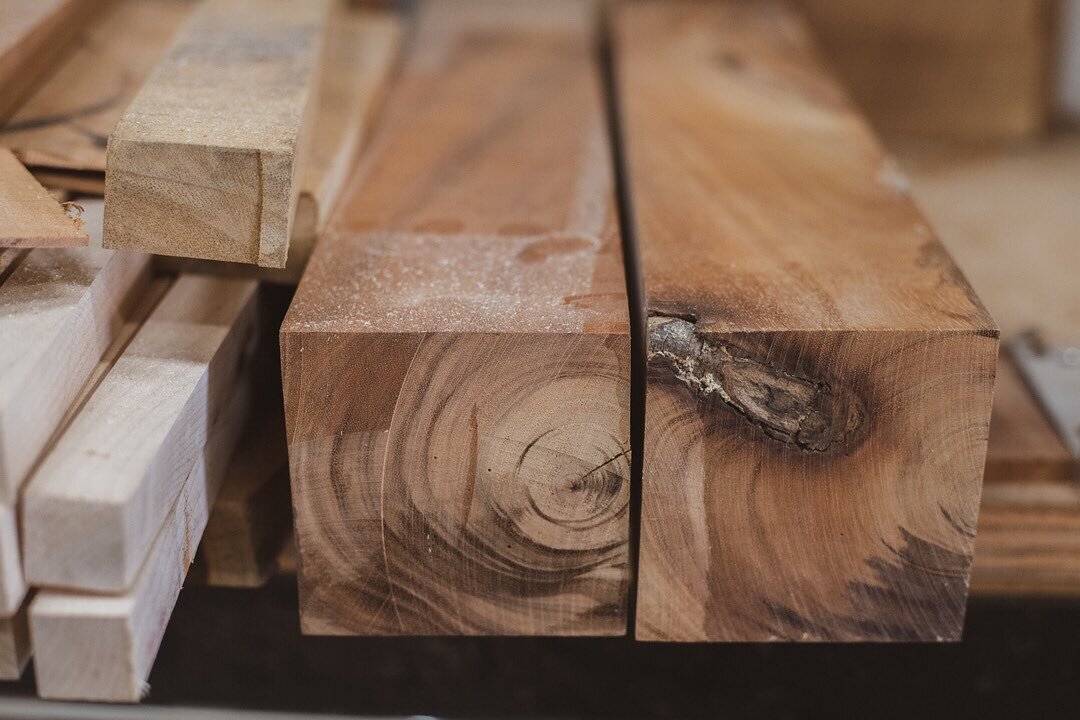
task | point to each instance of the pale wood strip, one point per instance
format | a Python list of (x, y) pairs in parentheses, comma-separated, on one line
[(33, 35), (12, 581), (65, 123), (205, 161), (101, 647), (29, 216), (59, 311), (98, 499), (15, 649)]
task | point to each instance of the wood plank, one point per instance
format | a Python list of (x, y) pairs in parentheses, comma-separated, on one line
[(61, 308), (204, 162), (362, 47), (33, 35), (92, 509), (473, 477), (29, 216), (1029, 539), (65, 123), (12, 582), (101, 647), (819, 373), (15, 647), (252, 516), (976, 70)]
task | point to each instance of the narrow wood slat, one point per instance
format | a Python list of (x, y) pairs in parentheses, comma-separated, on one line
[(29, 216), (99, 498), (456, 359), (101, 647), (14, 644), (205, 160), (819, 373)]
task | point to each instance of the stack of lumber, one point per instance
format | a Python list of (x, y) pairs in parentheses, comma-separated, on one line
[(617, 323), (133, 392)]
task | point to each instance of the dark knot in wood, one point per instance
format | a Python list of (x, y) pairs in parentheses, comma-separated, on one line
[(800, 412)]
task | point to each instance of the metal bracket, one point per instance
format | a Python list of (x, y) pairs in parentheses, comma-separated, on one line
[(1053, 374)]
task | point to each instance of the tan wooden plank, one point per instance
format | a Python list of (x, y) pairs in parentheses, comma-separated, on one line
[(473, 477), (33, 35), (29, 216), (362, 47), (819, 373), (205, 161), (96, 502), (59, 311), (65, 123), (12, 582), (101, 647)]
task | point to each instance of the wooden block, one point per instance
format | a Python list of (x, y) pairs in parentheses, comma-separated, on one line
[(819, 373), (456, 359), (33, 35), (14, 644), (204, 162), (101, 647), (59, 311), (29, 216), (975, 70), (65, 123), (92, 509), (361, 49), (252, 515)]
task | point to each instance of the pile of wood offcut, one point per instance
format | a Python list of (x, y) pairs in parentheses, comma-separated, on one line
[(563, 319)]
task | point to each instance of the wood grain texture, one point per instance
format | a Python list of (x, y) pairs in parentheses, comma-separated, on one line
[(33, 35), (101, 647), (66, 122), (97, 501), (456, 359), (29, 216), (362, 47), (205, 161), (15, 647), (59, 311), (975, 70), (819, 373)]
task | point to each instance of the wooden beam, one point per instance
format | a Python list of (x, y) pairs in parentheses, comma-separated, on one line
[(65, 123), (459, 417), (101, 647), (33, 35), (204, 162), (362, 47), (819, 373), (95, 504), (59, 311), (29, 216)]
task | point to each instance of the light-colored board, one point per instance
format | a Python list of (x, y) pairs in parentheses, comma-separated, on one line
[(976, 70), (362, 46), (92, 508), (33, 35), (205, 160), (29, 216), (59, 311), (12, 581), (101, 647), (456, 359), (15, 647), (819, 373), (65, 123)]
